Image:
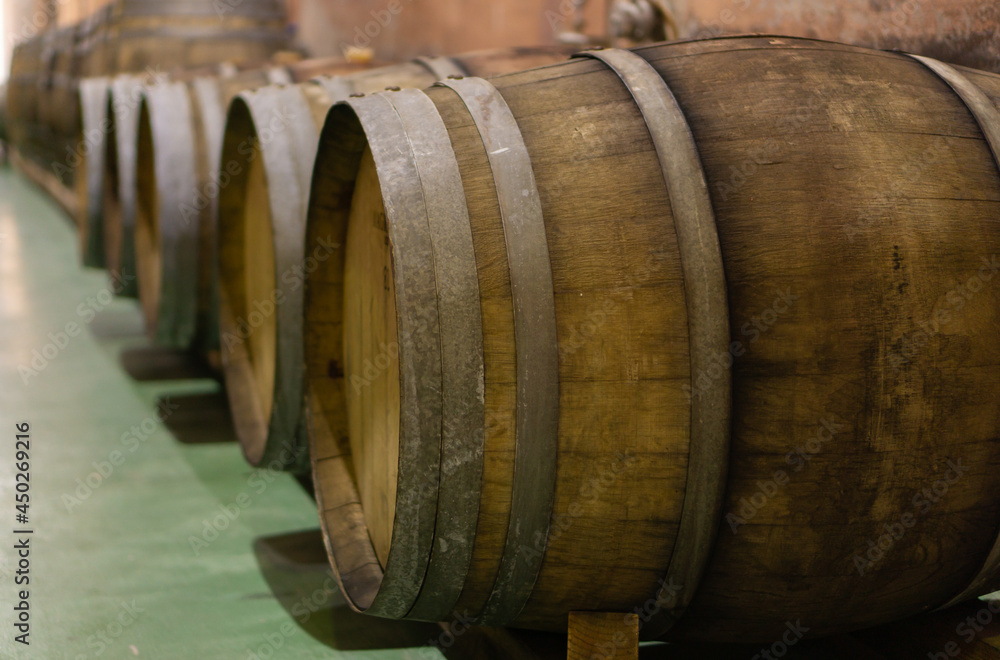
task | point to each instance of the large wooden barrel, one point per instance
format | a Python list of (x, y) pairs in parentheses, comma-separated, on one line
[(704, 331), (150, 34), (178, 165), (270, 145)]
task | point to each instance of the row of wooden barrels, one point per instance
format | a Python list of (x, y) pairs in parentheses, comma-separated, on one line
[(707, 331), (125, 36)]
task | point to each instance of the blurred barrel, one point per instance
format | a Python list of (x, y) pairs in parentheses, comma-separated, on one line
[(111, 242), (178, 151), (94, 48), (150, 34), (4, 135), (270, 145), (95, 125), (58, 106), (22, 97), (704, 331)]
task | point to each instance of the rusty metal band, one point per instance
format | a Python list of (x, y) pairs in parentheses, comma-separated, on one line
[(536, 349), (125, 98), (338, 88), (462, 369), (93, 113), (708, 328), (172, 129), (988, 117), (441, 67), (418, 335), (288, 166)]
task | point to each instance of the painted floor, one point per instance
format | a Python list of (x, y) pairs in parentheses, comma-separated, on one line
[(152, 538)]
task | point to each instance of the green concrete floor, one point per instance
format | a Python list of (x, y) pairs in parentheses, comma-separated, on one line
[(113, 572)]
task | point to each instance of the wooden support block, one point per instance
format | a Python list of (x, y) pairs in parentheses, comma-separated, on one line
[(603, 635)]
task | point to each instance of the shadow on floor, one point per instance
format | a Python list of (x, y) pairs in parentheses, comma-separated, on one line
[(296, 569), (117, 322), (157, 363), (197, 419)]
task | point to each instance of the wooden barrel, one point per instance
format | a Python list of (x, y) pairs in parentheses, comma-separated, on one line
[(703, 331), (270, 145), (110, 239), (112, 120), (110, 113), (58, 106), (150, 34), (94, 48), (178, 159), (22, 100)]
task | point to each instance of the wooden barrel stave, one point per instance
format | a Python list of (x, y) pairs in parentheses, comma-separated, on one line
[(188, 35), (613, 554)]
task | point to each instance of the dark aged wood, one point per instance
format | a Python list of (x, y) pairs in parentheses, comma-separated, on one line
[(988, 117), (608, 635), (855, 199), (708, 324), (262, 212), (965, 32)]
